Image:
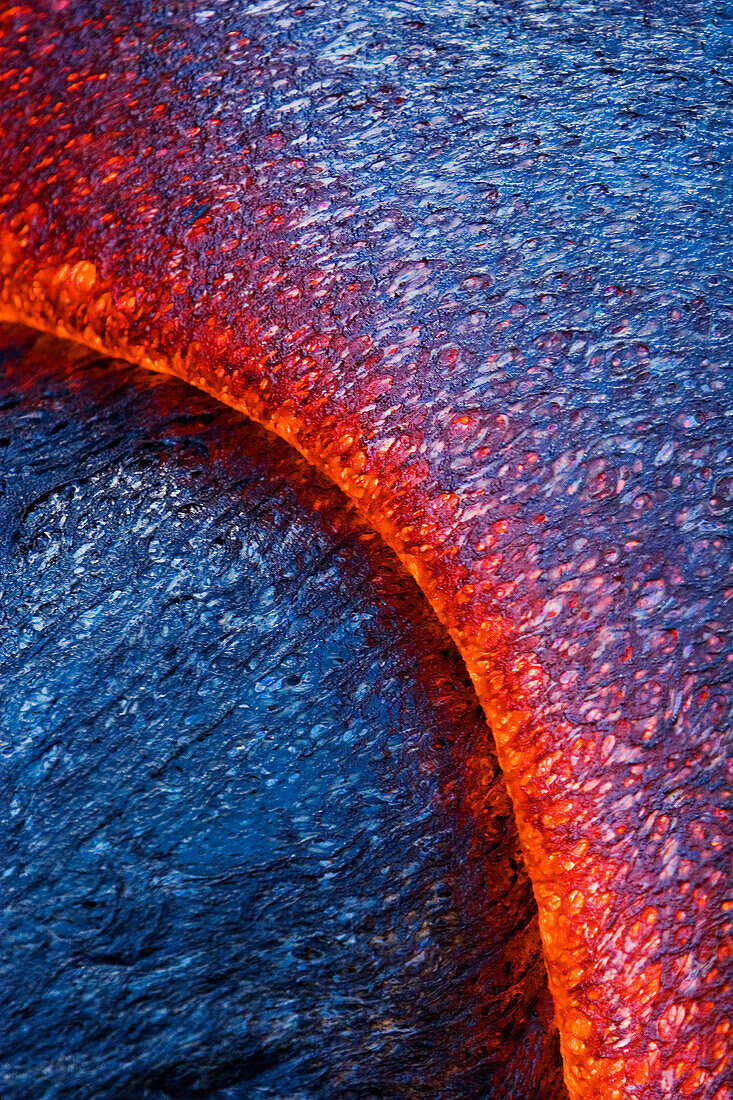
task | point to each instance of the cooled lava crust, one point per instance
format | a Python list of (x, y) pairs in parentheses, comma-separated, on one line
[(256, 842), (472, 261)]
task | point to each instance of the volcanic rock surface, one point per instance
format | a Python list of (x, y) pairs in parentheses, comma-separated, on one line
[(473, 260)]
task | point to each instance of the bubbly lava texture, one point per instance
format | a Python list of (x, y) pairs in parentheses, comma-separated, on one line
[(472, 260)]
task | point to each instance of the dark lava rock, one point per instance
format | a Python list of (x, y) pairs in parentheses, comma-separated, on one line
[(253, 838)]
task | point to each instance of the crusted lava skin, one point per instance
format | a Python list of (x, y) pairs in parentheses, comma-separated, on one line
[(240, 607), (443, 255)]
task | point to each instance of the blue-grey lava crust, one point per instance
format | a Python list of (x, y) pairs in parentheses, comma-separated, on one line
[(235, 856)]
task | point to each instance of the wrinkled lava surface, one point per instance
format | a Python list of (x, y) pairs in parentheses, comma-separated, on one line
[(474, 261), (235, 846)]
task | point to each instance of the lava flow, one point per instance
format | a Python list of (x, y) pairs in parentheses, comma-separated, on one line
[(466, 264)]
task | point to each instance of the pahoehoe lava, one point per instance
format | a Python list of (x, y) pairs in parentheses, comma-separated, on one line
[(237, 858), (473, 261)]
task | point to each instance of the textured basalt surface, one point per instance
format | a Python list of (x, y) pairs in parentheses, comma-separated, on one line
[(236, 855), (473, 261)]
